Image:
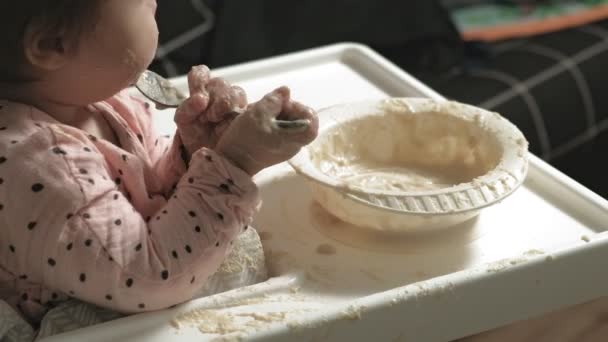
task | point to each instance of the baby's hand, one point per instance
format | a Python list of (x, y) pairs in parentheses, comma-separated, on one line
[(253, 142), (208, 111)]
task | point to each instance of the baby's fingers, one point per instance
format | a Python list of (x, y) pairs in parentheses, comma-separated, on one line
[(198, 77), (239, 97), (224, 98), (298, 118), (298, 135), (295, 110), (271, 105), (191, 108)]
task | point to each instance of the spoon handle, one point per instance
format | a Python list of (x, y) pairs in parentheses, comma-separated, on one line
[(164, 95), (295, 125)]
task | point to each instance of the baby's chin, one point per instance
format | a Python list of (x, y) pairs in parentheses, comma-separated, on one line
[(136, 71), (134, 76), (135, 67), (133, 79), (100, 93)]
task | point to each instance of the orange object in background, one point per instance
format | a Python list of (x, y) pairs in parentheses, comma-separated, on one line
[(535, 27)]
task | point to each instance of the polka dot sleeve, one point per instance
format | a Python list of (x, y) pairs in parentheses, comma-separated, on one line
[(80, 218), (166, 153), (121, 260)]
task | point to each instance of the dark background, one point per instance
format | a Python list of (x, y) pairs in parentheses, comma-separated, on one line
[(420, 37)]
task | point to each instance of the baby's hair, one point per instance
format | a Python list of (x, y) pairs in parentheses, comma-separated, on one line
[(68, 18)]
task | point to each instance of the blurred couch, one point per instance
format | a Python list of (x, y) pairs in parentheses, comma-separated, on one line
[(551, 85)]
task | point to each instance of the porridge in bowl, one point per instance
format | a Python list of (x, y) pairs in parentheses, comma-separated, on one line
[(392, 152), (411, 164)]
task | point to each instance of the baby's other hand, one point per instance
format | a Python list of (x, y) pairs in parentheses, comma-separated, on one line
[(213, 103), (253, 142)]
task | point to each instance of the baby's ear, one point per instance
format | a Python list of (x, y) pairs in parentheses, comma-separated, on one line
[(45, 49)]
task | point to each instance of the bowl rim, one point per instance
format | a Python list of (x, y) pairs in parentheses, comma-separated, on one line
[(478, 193)]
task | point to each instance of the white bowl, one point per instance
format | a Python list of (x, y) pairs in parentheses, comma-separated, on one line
[(412, 164)]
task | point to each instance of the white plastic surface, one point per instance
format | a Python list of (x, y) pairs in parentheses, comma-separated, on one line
[(539, 250)]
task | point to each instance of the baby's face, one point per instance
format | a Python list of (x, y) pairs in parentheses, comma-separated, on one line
[(111, 57)]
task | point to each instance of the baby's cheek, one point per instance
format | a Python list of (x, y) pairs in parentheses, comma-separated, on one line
[(141, 49), (148, 44), (133, 68)]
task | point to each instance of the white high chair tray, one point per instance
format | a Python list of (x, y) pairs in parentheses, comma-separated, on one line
[(540, 249)]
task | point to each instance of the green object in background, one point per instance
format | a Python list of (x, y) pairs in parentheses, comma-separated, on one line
[(492, 14)]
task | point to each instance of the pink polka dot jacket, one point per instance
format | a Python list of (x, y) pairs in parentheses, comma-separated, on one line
[(129, 228)]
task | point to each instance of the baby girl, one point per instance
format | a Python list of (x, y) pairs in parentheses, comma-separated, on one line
[(94, 205)]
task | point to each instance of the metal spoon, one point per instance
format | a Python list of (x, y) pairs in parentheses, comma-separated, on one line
[(164, 95)]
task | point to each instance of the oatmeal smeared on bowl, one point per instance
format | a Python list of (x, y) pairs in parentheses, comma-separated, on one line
[(410, 163)]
